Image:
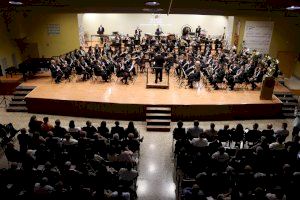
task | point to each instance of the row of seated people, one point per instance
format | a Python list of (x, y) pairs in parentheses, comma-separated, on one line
[(54, 162), (207, 169)]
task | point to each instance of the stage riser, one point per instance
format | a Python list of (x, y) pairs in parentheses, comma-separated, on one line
[(137, 111)]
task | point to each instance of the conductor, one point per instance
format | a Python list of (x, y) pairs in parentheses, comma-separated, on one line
[(159, 63)]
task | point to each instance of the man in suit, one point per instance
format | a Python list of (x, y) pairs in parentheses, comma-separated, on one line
[(159, 63), (101, 32), (257, 77), (198, 31)]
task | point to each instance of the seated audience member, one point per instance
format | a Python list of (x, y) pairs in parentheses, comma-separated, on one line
[(283, 131), (58, 130), (103, 130), (296, 126), (73, 130), (211, 133), (118, 129), (115, 144), (46, 126), (279, 144), (120, 193), (12, 154), (43, 189), (253, 135), (23, 139), (68, 140), (237, 134), (276, 194), (126, 156), (132, 143), (193, 193), (179, 132), (269, 133), (224, 134), (214, 145), (34, 124), (89, 129), (220, 155), (128, 175), (201, 141), (195, 131), (132, 129)]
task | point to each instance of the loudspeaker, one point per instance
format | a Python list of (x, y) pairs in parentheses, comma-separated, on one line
[(267, 88)]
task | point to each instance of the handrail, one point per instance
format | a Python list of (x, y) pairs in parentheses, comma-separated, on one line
[(147, 75)]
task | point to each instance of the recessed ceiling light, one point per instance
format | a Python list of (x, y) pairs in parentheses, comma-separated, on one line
[(18, 3), (152, 3), (293, 8)]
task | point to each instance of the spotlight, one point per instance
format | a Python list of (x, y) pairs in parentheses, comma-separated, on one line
[(293, 8), (16, 3), (152, 3)]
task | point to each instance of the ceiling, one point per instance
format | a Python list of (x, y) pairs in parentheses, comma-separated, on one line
[(210, 7)]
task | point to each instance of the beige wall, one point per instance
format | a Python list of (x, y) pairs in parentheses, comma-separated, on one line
[(7, 45), (36, 29)]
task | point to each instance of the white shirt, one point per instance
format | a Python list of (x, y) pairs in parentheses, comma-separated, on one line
[(199, 142)]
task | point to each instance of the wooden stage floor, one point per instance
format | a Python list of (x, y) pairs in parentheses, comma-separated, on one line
[(116, 100)]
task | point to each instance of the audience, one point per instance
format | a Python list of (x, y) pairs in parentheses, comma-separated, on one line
[(52, 164), (195, 131)]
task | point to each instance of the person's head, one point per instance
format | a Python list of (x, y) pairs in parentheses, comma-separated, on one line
[(88, 123), (196, 123), (68, 136), (116, 136), (269, 126), (33, 118), (226, 127), (221, 150), (57, 122), (23, 131), (255, 126), (179, 124), (44, 181), (284, 125), (212, 126), (72, 124), (280, 139), (129, 166), (259, 193), (46, 120), (117, 123), (130, 125), (103, 124), (239, 127)]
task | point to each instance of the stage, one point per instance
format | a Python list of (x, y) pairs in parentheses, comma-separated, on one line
[(115, 100)]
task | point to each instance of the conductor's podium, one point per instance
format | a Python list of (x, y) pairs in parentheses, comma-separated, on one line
[(267, 88), (150, 83)]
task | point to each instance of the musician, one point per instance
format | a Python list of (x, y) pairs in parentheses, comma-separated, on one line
[(159, 63), (56, 72), (158, 32), (257, 77), (138, 32), (198, 31), (195, 75)]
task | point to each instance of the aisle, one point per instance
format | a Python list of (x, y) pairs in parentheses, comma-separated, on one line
[(155, 181)]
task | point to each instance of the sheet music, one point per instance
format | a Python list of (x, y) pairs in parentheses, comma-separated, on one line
[(258, 35)]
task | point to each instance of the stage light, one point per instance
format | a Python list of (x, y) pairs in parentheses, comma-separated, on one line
[(16, 3), (152, 3), (293, 8), (152, 10)]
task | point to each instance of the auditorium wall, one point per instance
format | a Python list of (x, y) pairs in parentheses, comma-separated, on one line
[(36, 27), (127, 23), (9, 53)]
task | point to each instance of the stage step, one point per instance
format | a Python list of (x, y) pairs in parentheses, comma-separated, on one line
[(158, 118), (283, 94), (288, 99), (18, 98), (16, 109), (164, 122), (17, 103), (158, 115), (289, 115), (158, 109), (25, 88), (21, 93), (158, 128)]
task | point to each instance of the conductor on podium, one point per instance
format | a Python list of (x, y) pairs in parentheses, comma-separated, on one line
[(100, 32), (159, 63)]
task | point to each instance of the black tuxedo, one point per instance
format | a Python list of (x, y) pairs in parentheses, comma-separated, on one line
[(159, 63), (198, 32), (100, 30)]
